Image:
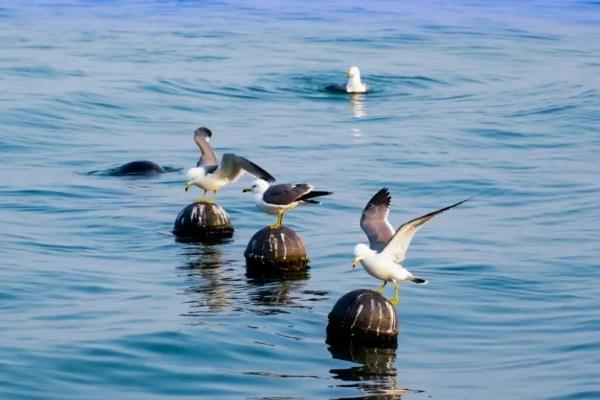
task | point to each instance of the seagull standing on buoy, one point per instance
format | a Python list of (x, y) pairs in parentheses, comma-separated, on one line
[(281, 198), (211, 175), (387, 248)]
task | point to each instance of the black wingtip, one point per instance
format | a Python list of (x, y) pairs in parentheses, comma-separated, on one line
[(382, 197), (268, 177), (313, 194), (203, 131)]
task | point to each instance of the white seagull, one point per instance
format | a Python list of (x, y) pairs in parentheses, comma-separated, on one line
[(354, 84), (387, 248), (281, 198), (211, 175)]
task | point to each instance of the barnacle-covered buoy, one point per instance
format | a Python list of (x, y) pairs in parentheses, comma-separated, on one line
[(203, 221), (363, 317), (274, 250)]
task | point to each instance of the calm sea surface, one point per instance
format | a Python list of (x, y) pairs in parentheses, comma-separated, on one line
[(493, 100)]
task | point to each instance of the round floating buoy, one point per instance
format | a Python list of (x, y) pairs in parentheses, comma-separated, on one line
[(141, 167), (203, 221), (274, 251), (363, 317)]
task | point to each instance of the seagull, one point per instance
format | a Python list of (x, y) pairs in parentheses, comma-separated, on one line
[(387, 248), (281, 198), (212, 175), (354, 84)]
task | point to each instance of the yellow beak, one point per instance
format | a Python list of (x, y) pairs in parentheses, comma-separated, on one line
[(348, 74), (246, 190), (187, 186), (355, 262)]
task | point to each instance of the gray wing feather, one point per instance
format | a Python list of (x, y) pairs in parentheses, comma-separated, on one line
[(374, 220), (208, 155), (284, 193), (233, 166), (398, 244)]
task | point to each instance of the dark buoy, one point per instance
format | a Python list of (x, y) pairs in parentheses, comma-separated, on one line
[(363, 317), (141, 167), (275, 250), (203, 221)]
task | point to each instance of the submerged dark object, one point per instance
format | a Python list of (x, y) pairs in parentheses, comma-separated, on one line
[(336, 88), (363, 317), (203, 221), (141, 167), (275, 250)]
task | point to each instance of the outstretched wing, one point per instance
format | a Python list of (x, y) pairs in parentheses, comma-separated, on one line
[(233, 166), (398, 244), (374, 220), (201, 137)]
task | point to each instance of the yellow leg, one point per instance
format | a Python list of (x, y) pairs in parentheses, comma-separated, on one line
[(202, 198), (279, 222), (380, 288), (394, 300), (213, 198)]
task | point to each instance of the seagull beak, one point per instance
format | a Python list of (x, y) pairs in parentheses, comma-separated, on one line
[(348, 74), (187, 186), (355, 262), (246, 190)]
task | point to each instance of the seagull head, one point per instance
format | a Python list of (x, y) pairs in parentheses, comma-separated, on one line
[(353, 72), (258, 186), (361, 251)]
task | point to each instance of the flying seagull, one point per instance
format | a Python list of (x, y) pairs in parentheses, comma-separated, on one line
[(211, 175), (387, 248), (281, 198), (354, 84)]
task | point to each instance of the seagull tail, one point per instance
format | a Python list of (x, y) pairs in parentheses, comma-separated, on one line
[(419, 281)]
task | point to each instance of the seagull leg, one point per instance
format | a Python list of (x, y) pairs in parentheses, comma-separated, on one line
[(213, 198), (201, 199), (394, 300), (380, 288), (279, 222)]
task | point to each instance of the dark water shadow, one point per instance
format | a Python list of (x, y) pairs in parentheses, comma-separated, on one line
[(375, 377)]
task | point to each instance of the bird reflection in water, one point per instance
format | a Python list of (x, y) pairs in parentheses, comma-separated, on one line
[(375, 377), (209, 290), (357, 105), (275, 289)]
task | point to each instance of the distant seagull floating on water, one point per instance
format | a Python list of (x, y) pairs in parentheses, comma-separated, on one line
[(387, 248), (211, 175), (354, 84), (281, 198)]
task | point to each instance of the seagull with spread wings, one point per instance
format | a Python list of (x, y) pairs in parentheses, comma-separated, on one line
[(209, 174), (387, 248)]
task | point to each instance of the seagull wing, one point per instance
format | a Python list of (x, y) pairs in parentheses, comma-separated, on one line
[(374, 220), (233, 166), (209, 157), (398, 244), (285, 193)]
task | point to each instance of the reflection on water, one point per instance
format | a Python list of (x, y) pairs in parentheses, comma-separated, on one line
[(375, 377), (209, 291), (357, 105), (276, 290)]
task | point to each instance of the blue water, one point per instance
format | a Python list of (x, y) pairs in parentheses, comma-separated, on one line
[(496, 100)]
